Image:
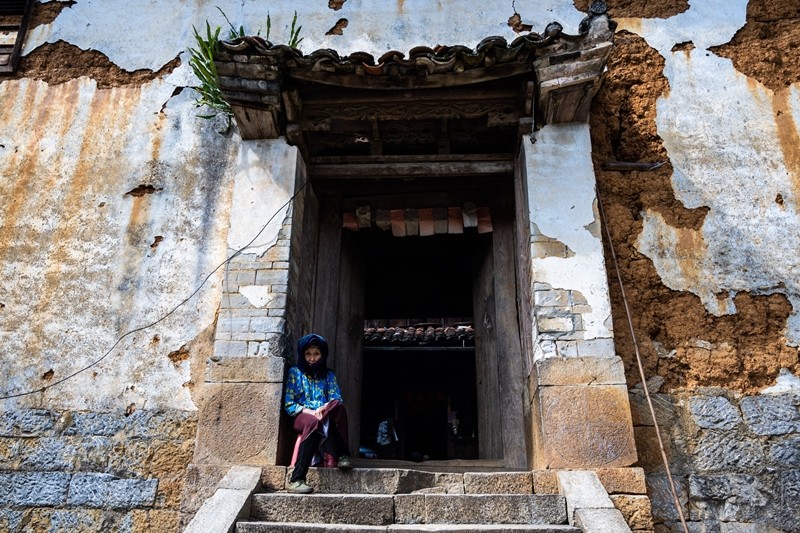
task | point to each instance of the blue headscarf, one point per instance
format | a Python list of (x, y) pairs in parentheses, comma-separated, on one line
[(320, 368)]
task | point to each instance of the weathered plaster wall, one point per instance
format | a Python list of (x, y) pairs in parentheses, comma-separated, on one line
[(101, 108), (702, 244)]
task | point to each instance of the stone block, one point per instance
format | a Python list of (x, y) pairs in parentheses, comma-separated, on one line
[(662, 404), (498, 483), (64, 454), (601, 347), (552, 298), (272, 277), (635, 510), (239, 424), (34, 489), (600, 521), (200, 483), (661, 499), (368, 481), (728, 497), (359, 509), (545, 481), (105, 490), (267, 324), (229, 348), (583, 490), (91, 423), (229, 501), (84, 520), (714, 412), (246, 370), (648, 449), (583, 427), (785, 453), (27, 423), (746, 527), (277, 253), (622, 480), (727, 451), (151, 423), (409, 509), (579, 371), (555, 324), (447, 478), (273, 478), (772, 415), (489, 508)]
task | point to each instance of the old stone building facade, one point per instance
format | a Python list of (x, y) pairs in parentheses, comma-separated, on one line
[(502, 165)]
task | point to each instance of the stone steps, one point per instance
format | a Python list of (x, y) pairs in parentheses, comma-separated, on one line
[(385, 500), (304, 527)]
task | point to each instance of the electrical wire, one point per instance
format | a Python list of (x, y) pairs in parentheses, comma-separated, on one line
[(163, 317), (672, 488)]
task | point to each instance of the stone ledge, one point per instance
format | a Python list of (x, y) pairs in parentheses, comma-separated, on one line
[(268, 369), (230, 501), (579, 371)]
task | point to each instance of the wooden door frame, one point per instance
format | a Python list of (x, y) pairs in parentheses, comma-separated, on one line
[(340, 320)]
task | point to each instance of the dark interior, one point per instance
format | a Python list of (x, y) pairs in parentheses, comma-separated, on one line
[(428, 390)]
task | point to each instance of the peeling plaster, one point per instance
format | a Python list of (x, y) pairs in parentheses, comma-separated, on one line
[(80, 250), (564, 209), (258, 295), (736, 167)]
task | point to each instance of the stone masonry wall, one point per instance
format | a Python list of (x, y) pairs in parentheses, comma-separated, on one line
[(735, 459), (91, 471)]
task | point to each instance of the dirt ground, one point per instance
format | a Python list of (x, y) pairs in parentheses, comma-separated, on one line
[(746, 349)]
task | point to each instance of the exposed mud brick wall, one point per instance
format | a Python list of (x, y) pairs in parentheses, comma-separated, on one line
[(639, 8), (92, 471), (743, 351)]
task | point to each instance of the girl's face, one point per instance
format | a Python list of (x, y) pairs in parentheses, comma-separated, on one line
[(312, 355)]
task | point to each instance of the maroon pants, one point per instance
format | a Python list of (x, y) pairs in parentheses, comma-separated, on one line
[(310, 430)]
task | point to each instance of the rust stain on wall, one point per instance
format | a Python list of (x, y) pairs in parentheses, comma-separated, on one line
[(747, 349), (788, 136)]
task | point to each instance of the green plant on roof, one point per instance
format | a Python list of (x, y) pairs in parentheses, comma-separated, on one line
[(202, 63)]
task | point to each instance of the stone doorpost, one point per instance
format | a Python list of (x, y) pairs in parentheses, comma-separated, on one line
[(581, 417)]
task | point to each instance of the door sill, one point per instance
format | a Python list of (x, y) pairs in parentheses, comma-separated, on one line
[(456, 465)]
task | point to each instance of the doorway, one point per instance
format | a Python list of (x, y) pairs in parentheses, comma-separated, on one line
[(419, 389), (444, 397)]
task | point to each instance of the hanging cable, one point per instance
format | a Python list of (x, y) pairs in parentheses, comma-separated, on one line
[(672, 488), (165, 316)]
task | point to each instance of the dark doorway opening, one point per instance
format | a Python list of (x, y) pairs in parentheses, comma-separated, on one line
[(425, 384)]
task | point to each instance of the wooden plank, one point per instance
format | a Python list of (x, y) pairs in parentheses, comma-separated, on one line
[(398, 222), (405, 170), (412, 222), (469, 215), (383, 219), (447, 79), (440, 220), (428, 158), (350, 335), (484, 220), (364, 216), (511, 359), (326, 297), (349, 221), (426, 227), (455, 222), (490, 431)]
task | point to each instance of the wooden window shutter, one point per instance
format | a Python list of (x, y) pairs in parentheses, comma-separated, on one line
[(14, 18)]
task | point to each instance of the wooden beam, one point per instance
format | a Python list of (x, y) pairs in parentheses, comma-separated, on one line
[(406, 170)]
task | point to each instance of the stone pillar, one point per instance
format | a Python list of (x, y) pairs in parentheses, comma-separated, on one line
[(581, 415), (239, 422)]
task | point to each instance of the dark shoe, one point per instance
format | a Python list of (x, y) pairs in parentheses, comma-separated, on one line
[(299, 487), (344, 463)]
